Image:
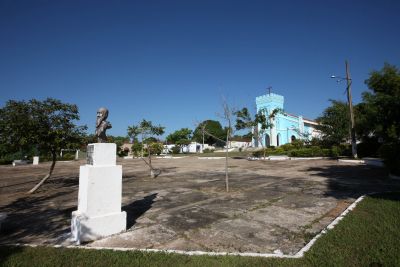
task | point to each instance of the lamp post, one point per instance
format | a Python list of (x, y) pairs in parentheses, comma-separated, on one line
[(349, 100)]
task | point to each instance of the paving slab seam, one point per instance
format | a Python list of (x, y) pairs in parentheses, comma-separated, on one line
[(299, 254)]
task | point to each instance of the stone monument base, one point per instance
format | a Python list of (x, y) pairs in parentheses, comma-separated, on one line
[(99, 199), (86, 228)]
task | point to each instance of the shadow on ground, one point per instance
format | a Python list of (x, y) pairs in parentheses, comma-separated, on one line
[(45, 214), (137, 208), (345, 181)]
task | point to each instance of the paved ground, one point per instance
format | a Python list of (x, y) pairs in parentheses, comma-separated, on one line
[(271, 205)]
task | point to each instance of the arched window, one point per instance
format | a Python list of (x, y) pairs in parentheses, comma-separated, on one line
[(267, 140), (293, 138)]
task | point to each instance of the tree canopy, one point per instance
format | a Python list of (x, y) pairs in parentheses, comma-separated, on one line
[(212, 127), (334, 123), (179, 136), (48, 125), (147, 132), (382, 104)]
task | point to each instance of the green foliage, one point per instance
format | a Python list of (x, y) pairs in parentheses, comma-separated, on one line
[(68, 156), (244, 120), (176, 149), (10, 157), (183, 142), (298, 143), (313, 152), (119, 141), (390, 152), (182, 134), (150, 140), (259, 125), (270, 151), (156, 148), (136, 148), (212, 127), (368, 147), (208, 150), (47, 126), (302, 151), (287, 147), (383, 103), (334, 123), (145, 130)]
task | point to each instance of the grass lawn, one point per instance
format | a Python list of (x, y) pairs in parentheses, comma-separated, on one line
[(367, 236)]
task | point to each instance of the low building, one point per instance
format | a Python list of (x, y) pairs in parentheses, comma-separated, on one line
[(239, 143), (193, 147)]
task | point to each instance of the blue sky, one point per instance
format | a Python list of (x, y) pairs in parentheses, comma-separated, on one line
[(171, 61)]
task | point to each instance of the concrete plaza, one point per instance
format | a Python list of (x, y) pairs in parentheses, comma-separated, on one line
[(272, 205)]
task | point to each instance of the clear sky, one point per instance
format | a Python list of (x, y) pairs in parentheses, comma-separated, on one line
[(171, 61)]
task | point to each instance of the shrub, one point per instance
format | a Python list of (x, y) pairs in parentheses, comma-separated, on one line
[(176, 149), (313, 151), (270, 151), (368, 148), (156, 148), (136, 148), (335, 151), (390, 152), (345, 150), (7, 159), (276, 151), (68, 156), (298, 143), (258, 153), (302, 152), (208, 150), (287, 147)]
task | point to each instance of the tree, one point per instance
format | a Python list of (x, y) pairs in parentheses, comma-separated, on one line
[(119, 141), (212, 127), (382, 104), (212, 131), (182, 134), (48, 125), (227, 115), (146, 130), (259, 124), (180, 138), (334, 123)]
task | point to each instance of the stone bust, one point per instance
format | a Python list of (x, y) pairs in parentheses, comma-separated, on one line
[(102, 125)]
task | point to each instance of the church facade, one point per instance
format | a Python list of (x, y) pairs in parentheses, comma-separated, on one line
[(286, 127)]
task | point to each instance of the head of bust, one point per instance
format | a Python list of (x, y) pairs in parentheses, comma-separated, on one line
[(102, 114)]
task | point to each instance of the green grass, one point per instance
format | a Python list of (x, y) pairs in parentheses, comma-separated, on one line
[(368, 236)]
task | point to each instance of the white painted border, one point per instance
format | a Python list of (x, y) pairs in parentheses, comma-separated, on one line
[(277, 254)]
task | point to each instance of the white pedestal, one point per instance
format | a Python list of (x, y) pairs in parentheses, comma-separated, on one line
[(35, 161), (99, 198)]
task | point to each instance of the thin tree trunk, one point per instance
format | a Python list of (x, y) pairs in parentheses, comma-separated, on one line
[(53, 164), (264, 151), (152, 174), (226, 164)]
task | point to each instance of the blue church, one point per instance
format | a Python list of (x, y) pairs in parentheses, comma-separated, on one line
[(286, 127)]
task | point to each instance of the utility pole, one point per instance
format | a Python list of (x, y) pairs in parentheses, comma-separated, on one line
[(349, 99)]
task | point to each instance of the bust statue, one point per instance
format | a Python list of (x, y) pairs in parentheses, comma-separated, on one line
[(102, 125)]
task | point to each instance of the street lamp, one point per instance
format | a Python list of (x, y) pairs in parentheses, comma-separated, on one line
[(349, 100)]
